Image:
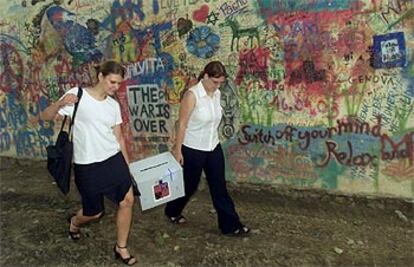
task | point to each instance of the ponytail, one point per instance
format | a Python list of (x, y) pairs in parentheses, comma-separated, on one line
[(214, 69)]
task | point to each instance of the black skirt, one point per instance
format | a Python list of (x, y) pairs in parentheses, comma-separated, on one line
[(110, 178)]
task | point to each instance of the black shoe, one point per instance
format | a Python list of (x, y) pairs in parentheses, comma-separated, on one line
[(242, 230), (180, 219), (126, 261), (74, 235)]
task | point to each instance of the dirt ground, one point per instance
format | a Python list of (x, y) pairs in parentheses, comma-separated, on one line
[(289, 228)]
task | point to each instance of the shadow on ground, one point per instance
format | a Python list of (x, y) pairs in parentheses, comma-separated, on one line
[(290, 228)]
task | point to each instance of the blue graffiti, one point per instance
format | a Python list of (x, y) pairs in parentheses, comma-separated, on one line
[(389, 50), (155, 31), (156, 73), (25, 143), (3, 118), (155, 7), (203, 42), (30, 143), (17, 116), (46, 128), (408, 75), (162, 74), (125, 11), (4, 141), (15, 129), (272, 7), (79, 41)]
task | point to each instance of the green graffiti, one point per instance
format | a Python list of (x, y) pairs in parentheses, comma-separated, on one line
[(403, 113), (407, 15), (353, 99), (255, 107)]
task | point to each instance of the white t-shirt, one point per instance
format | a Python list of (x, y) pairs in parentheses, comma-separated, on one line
[(93, 137), (202, 128)]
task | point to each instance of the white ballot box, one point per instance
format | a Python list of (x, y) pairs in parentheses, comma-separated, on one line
[(159, 179)]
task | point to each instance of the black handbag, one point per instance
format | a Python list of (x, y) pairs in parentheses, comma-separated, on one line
[(59, 155)]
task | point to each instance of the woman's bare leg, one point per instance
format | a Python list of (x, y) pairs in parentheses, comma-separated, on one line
[(123, 223), (77, 220)]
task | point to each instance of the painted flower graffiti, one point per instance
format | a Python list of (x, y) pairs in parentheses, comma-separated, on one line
[(203, 42), (270, 164)]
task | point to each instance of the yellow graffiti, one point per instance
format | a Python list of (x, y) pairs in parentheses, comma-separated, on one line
[(174, 95)]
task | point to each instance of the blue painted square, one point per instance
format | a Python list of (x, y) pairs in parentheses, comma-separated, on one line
[(389, 50)]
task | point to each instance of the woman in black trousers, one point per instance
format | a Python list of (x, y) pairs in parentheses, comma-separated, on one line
[(197, 148)]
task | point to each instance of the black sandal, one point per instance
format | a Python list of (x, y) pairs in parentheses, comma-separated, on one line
[(242, 230), (180, 219), (74, 235), (124, 260)]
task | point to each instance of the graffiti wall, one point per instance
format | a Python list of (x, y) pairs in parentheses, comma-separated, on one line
[(320, 93)]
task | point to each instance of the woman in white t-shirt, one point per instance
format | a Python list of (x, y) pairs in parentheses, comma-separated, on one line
[(197, 148), (100, 156)]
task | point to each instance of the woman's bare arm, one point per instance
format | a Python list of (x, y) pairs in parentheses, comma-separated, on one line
[(120, 138), (186, 108), (52, 110)]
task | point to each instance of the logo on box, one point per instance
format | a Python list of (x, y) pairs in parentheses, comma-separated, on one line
[(161, 190)]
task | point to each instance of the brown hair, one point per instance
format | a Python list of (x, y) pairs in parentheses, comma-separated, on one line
[(110, 67), (214, 69)]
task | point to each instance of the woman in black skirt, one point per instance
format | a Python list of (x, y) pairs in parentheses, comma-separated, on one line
[(100, 156)]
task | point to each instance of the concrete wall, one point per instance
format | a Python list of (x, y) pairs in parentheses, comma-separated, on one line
[(320, 93)]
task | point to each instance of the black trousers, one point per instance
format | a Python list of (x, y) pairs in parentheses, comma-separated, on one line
[(212, 163)]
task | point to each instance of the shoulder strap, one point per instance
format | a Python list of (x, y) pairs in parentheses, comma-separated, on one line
[(63, 123), (79, 95)]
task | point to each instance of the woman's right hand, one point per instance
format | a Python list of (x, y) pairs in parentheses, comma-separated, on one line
[(50, 112), (178, 156), (68, 99)]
